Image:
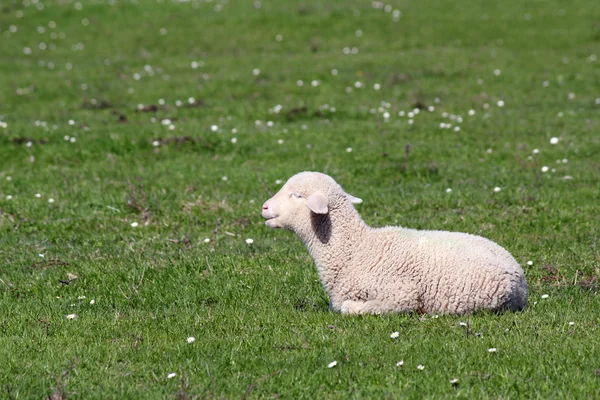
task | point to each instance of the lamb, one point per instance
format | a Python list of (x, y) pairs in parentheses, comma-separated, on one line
[(367, 270)]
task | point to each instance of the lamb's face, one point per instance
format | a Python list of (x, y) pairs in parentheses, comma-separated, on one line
[(302, 194)]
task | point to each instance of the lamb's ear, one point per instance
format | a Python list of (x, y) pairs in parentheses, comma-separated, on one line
[(317, 202), (353, 200)]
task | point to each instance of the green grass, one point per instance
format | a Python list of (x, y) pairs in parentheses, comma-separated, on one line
[(258, 312)]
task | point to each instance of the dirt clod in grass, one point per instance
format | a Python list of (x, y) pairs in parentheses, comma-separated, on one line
[(148, 108), (303, 112), (196, 104), (26, 140), (399, 78), (296, 112), (59, 392), (419, 104), (553, 275), (121, 117), (97, 105), (45, 264), (174, 140), (590, 283)]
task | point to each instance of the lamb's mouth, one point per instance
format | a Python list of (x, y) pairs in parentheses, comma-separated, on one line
[(271, 223)]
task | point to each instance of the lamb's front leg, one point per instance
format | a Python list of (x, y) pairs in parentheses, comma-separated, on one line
[(363, 307), (403, 302)]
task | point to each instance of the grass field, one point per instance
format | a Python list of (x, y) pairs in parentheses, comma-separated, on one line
[(138, 140)]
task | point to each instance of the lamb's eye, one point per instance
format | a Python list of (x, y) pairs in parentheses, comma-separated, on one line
[(295, 195)]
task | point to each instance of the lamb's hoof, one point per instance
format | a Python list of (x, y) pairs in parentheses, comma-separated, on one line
[(351, 307)]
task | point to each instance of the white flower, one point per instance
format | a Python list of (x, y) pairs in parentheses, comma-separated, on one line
[(332, 364), (256, 71), (448, 190), (492, 350), (349, 150), (280, 141), (315, 83), (454, 381), (545, 296), (497, 72), (92, 302), (224, 178), (214, 128), (535, 151), (544, 169), (400, 363), (554, 140), (171, 375), (38, 195), (299, 82), (377, 86), (50, 200), (471, 112), (234, 140), (155, 143), (334, 72), (191, 339), (80, 297), (41, 255), (134, 224), (462, 323), (71, 316), (497, 189), (420, 367), (529, 262), (207, 240), (9, 197), (431, 108), (249, 241), (394, 335), (571, 323)]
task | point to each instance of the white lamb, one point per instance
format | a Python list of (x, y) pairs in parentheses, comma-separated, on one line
[(392, 269)]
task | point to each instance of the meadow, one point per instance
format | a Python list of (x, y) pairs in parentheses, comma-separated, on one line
[(139, 139)]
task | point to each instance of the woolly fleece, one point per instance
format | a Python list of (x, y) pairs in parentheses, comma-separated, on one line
[(392, 269)]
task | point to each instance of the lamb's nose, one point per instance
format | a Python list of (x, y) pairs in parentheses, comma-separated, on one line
[(265, 206)]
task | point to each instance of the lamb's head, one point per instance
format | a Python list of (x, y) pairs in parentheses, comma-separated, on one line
[(304, 194)]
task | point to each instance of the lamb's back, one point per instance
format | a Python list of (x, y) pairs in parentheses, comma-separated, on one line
[(453, 272)]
